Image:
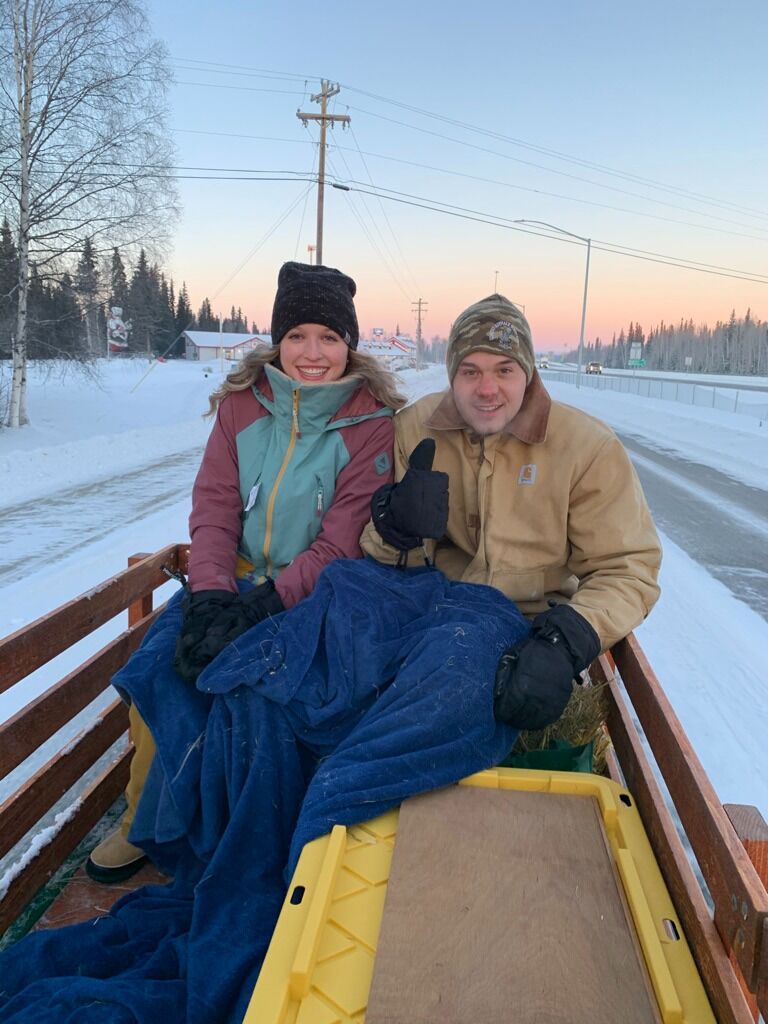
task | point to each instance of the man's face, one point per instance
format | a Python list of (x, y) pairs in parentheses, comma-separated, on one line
[(488, 390)]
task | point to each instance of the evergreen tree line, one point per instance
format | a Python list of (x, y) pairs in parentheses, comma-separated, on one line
[(737, 346), (68, 315)]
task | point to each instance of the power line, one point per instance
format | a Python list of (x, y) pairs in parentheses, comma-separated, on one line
[(542, 167), (507, 223), (241, 88), (384, 212), (559, 155), (218, 67), (386, 260), (504, 184), (304, 209), (528, 163), (245, 71), (372, 241), (496, 220)]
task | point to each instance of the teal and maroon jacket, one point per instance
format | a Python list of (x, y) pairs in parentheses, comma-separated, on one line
[(286, 482)]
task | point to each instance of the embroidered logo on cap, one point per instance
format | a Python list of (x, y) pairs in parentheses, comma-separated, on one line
[(504, 334), (527, 474)]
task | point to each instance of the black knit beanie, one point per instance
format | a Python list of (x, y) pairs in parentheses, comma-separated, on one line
[(314, 295)]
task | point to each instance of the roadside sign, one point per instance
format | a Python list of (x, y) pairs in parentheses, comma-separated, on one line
[(636, 362)]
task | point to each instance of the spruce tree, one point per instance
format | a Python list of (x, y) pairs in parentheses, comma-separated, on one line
[(165, 324), (185, 318), (66, 327), (140, 306), (9, 276), (118, 282), (206, 321), (87, 285)]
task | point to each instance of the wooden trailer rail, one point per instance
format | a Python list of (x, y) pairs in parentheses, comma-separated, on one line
[(34, 646), (731, 948), (738, 934)]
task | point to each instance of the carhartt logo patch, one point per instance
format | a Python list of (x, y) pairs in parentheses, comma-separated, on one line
[(504, 334), (383, 463), (527, 474)]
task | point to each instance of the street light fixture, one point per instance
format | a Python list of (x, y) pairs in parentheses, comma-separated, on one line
[(581, 238)]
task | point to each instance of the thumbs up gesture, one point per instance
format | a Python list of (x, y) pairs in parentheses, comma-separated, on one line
[(405, 513)]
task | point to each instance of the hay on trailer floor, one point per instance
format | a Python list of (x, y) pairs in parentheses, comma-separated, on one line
[(581, 722)]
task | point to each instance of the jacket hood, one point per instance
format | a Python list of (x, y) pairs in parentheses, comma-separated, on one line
[(529, 425)]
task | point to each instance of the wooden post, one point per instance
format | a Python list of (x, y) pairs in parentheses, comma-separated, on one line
[(137, 610), (751, 828)]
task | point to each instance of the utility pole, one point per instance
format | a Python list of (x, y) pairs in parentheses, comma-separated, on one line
[(310, 249), (326, 91), (417, 307)]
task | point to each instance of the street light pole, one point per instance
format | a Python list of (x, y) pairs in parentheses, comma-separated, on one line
[(588, 241), (583, 317)]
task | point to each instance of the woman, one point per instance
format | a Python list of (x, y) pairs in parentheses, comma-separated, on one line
[(303, 437)]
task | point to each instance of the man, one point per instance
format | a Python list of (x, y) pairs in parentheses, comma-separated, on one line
[(544, 505)]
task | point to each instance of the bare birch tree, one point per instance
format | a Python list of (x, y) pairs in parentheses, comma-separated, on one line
[(83, 147)]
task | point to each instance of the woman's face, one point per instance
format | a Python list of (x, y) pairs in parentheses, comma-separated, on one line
[(313, 354)]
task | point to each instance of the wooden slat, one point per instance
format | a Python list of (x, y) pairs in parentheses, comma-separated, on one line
[(36, 644), (99, 796), (728, 871), (24, 808), (711, 958), (752, 830), (37, 721)]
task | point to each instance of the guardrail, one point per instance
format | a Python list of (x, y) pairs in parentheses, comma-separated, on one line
[(707, 396)]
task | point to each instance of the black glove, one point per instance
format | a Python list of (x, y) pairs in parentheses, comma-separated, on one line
[(248, 610), (214, 618), (405, 513), (534, 679), (196, 646)]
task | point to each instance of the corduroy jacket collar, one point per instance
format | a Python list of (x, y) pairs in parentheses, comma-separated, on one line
[(529, 425)]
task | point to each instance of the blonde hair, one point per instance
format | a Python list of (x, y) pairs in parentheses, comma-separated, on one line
[(381, 383)]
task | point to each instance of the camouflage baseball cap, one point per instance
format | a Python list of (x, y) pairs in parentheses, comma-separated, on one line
[(491, 325)]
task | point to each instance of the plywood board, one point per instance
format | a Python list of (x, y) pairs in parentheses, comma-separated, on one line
[(505, 906)]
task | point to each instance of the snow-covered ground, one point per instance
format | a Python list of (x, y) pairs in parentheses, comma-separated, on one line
[(707, 647)]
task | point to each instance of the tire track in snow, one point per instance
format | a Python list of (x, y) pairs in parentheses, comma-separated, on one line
[(70, 520), (718, 521)]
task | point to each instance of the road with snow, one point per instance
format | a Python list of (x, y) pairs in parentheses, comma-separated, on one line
[(719, 522), (75, 518)]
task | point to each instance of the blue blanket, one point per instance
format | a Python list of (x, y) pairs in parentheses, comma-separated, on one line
[(376, 687)]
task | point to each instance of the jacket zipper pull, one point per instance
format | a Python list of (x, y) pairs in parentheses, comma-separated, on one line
[(296, 414), (320, 500)]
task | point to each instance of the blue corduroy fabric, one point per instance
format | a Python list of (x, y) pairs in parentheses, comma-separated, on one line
[(376, 687)]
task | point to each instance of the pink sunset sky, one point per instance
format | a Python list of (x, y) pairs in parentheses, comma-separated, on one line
[(641, 127)]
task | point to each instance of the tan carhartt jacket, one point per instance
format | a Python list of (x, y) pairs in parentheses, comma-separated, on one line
[(548, 509)]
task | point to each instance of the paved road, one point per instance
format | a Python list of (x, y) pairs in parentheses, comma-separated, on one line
[(719, 522)]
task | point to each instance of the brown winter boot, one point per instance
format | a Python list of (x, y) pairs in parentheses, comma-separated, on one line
[(115, 859)]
